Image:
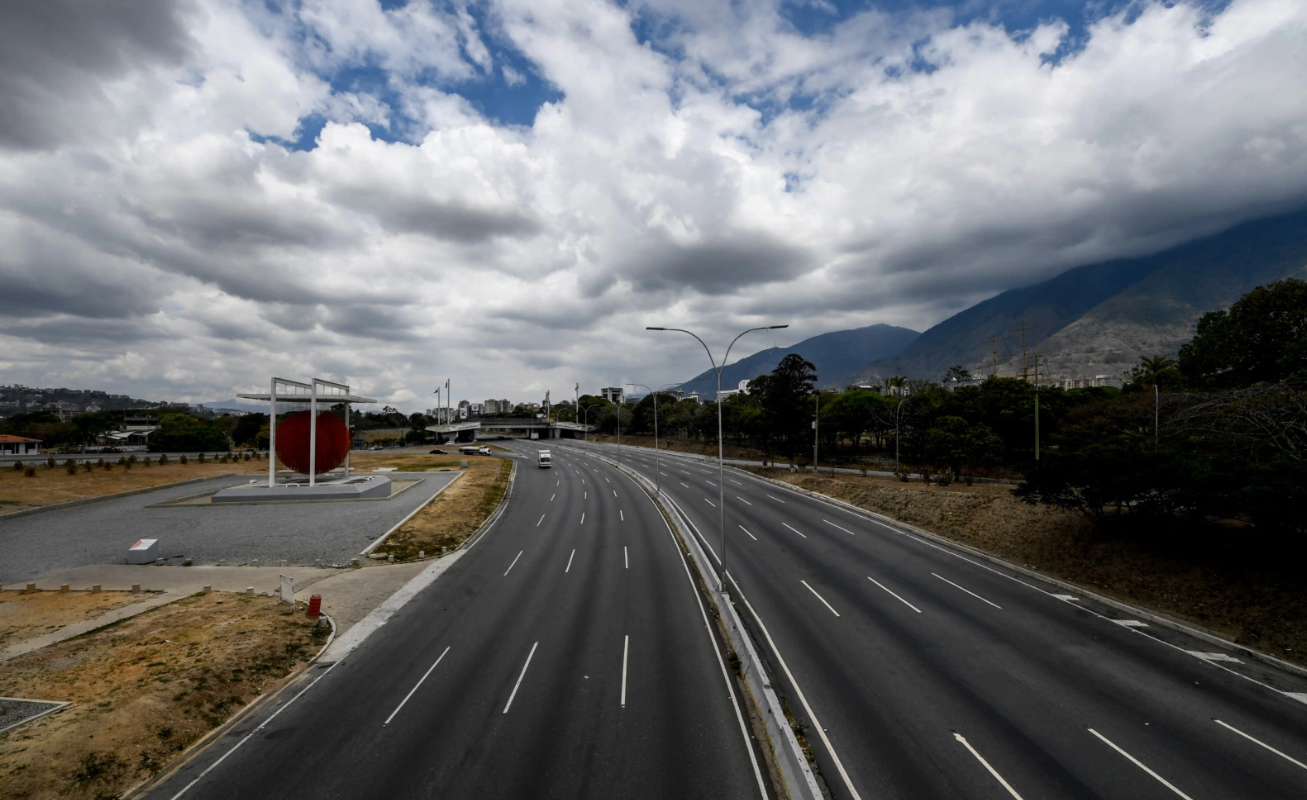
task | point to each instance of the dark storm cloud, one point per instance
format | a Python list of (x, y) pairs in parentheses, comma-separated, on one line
[(723, 266), (449, 220), (55, 54), (81, 331)]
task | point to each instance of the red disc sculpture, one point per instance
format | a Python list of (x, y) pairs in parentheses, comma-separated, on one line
[(293, 442)]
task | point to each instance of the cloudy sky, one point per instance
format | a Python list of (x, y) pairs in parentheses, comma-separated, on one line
[(197, 194)]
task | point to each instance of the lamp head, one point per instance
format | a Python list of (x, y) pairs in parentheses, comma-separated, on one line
[(774, 327), (650, 328)]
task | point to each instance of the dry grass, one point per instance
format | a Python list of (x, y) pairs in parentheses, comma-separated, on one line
[(55, 485), (25, 616), (143, 690), (1226, 581), (456, 513)]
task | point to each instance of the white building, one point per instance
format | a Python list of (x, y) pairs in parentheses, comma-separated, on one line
[(19, 446), (613, 394)]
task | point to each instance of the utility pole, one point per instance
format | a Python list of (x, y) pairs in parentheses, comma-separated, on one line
[(816, 431), (1025, 364), (1157, 413), (1036, 406), (993, 343)]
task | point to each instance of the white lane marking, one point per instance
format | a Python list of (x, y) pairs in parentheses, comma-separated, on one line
[(614, 493), (1067, 598), (896, 597), (558, 481), (819, 597), (1263, 744), (968, 591), (605, 478), (582, 517), (414, 689), (520, 677), (1130, 623), (816, 724), (1301, 697), (742, 500), (1140, 764), (686, 485), (710, 483), (786, 524), (552, 496), (626, 557), (777, 499), (510, 566), (264, 724), (732, 480), (709, 502), (833, 525), (985, 763), (1214, 657), (542, 519), (583, 480), (569, 562), (660, 472), (626, 649), (621, 514), (746, 530)]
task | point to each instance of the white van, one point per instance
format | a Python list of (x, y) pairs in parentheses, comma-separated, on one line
[(545, 461)]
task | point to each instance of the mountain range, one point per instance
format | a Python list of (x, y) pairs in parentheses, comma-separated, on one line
[(1096, 319)]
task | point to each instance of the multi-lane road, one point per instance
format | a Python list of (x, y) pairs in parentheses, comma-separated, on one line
[(924, 672), (567, 653)]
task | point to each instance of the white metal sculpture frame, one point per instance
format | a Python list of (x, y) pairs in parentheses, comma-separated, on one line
[(299, 393)]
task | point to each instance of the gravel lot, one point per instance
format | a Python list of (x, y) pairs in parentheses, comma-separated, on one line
[(100, 533)]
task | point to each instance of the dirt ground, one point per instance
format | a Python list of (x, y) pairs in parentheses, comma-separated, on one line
[(25, 616), (55, 485), (143, 690), (1225, 580), (456, 513)]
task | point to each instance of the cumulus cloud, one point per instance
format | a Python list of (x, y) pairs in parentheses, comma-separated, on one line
[(194, 195)]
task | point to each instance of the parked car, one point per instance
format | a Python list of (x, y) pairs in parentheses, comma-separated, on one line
[(438, 452)]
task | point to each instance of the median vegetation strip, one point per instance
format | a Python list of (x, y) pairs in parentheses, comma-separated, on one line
[(143, 690), (1223, 580), (457, 513)]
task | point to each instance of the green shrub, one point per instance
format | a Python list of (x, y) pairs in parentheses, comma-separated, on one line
[(145, 462), (30, 472), (163, 460), (18, 466), (87, 466), (182, 460), (49, 462), (71, 468), (199, 458)]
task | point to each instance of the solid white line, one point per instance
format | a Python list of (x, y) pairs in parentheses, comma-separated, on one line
[(816, 724), (510, 566), (968, 591), (569, 562), (626, 649), (992, 771), (746, 530), (777, 499), (709, 502), (520, 677), (1263, 744), (1140, 764), (742, 500), (247, 736), (896, 597), (833, 525), (542, 519), (786, 524), (626, 557), (819, 597), (414, 689), (582, 517)]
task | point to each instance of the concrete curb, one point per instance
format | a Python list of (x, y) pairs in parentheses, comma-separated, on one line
[(796, 773), (201, 744), (496, 514), (27, 512), (1158, 618), (383, 537)]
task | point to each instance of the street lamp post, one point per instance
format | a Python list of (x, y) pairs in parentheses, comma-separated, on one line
[(721, 457), (585, 415), (658, 464)]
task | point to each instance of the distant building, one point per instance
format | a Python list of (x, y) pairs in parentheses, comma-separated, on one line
[(1097, 381), (19, 446), (613, 394), (490, 406)]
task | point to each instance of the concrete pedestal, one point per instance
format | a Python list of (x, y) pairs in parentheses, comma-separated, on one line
[(371, 487)]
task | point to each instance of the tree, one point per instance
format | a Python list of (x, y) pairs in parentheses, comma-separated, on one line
[(953, 443), (184, 432), (1156, 371), (956, 374), (786, 401), (248, 428), (1262, 338), (92, 425)]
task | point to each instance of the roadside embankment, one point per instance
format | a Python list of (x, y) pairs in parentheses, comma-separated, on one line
[(1230, 583)]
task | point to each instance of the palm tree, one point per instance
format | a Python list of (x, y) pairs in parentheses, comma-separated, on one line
[(1153, 370), (896, 384)]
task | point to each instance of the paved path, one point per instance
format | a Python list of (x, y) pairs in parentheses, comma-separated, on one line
[(911, 662), (565, 653), (100, 533)]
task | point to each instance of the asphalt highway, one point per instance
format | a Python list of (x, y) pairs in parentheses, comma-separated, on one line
[(567, 654), (923, 672)]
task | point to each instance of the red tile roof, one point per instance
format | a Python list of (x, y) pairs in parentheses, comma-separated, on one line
[(4, 437)]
